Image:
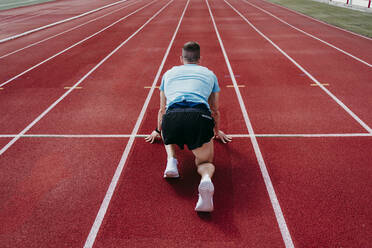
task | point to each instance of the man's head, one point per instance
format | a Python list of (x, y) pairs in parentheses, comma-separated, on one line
[(191, 53)]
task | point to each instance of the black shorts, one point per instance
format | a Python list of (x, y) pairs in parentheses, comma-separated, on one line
[(190, 126)]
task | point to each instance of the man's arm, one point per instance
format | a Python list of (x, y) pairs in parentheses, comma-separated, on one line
[(214, 104), (151, 138), (161, 112)]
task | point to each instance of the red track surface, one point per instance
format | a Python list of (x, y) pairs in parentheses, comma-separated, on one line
[(50, 12), (52, 188)]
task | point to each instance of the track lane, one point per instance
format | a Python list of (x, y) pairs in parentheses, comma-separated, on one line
[(347, 41), (324, 188), (44, 53), (51, 188), (24, 95), (278, 98), (11, 48), (350, 83), (67, 9), (309, 35), (146, 209), (135, 219), (231, 122), (4, 141)]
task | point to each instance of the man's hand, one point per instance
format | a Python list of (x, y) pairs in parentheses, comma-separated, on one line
[(223, 137), (152, 137)]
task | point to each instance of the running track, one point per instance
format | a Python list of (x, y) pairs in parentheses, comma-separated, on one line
[(75, 170)]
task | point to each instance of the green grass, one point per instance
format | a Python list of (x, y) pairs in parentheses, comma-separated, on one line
[(352, 20), (10, 4)]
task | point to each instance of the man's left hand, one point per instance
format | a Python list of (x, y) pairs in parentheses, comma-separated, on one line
[(223, 137)]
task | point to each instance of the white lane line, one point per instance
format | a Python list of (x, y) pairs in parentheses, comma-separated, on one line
[(6, 147), (325, 135), (59, 22), (339, 102), (269, 186), (310, 35), (68, 30), (72, 135), (145, 135), (298, 13), (74, 45), (106, 201)]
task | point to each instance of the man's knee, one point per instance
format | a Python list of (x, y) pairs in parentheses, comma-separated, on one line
[(200, 161), (204, 154)]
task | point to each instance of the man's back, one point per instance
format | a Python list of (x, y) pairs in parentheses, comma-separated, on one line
[(190, 82)]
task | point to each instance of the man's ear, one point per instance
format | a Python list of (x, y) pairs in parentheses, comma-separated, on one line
[(181, 59)]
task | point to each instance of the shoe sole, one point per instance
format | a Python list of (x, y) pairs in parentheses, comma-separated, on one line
[(171, 174), (206, 191)]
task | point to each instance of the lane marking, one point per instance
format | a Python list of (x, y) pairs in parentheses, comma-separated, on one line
[(331, 135), (66, 31), (81, 41), (318, 85), (310, 35), (149, 87), (232, 86), (59, 22), (269, 186), (6, 147), (106, 201), (72, 136), (364, 125), (298, 13), (76, 88)]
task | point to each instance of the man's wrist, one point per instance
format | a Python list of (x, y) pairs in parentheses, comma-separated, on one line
[(157, 130)]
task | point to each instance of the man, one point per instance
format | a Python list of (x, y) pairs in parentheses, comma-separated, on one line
[(189, 115)]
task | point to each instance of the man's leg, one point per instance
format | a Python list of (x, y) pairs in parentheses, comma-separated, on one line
[(171, 170), (171, 151), (203, 160)]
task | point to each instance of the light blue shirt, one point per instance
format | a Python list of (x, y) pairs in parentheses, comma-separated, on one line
[(190, 82)]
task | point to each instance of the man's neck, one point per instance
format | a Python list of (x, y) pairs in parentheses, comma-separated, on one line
[(188, 63)]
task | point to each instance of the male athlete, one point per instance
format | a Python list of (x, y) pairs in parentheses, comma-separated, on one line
[(189, 115)]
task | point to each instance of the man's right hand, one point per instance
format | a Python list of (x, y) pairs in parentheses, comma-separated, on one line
[(152, 137), (223, 137)]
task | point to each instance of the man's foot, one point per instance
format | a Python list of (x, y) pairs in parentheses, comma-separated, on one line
[(205, 201), (171, 171)]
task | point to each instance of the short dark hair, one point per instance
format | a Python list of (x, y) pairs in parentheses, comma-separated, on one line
[(191, 52)]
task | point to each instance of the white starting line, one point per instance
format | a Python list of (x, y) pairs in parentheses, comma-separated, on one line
[(144, 135)]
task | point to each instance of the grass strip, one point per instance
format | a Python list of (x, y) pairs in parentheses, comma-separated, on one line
[(10, 4), (352, 20)]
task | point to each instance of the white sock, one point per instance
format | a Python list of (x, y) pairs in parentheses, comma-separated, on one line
[(171, 171)]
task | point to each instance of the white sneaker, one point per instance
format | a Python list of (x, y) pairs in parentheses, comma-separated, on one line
[(171, 171), (205, 201)]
